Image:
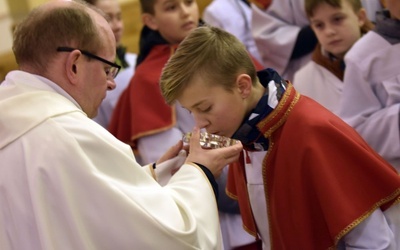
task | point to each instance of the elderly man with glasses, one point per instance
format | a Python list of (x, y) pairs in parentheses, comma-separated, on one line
[(65, 181)]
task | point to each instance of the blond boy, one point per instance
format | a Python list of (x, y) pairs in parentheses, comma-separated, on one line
[(305, 179)]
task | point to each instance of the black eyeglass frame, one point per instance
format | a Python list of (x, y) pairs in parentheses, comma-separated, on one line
[(90, 55)]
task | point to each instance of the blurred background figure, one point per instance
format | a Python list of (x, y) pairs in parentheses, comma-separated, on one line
[(371, 93), (125, 59), (233, 16), (372, 7), (338, 24), (283, 34)]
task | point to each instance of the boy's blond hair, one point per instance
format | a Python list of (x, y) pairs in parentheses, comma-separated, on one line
[(215, 55)]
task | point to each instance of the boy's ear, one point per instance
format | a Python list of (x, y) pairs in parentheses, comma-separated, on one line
[(244, 84), (149, 21), (362, 17)]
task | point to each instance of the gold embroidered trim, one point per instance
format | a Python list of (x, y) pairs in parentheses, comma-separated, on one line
[(283, 119), (232, 196), (249, 231), (365, 215), (156, 131), (264, 172), (278, 111)]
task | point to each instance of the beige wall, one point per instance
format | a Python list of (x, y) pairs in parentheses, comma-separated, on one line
[(5, 27), (3, 7)]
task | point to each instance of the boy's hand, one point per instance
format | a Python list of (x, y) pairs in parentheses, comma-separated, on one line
[(214, 159)]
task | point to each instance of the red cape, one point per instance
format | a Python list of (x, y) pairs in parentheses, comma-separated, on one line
[(322, 179), (141, 109)]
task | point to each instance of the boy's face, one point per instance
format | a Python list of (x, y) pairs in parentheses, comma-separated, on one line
[(213, 107), (174, 19), (113, 11), (337, 29)]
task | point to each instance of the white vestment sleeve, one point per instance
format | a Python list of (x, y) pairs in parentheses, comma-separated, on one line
[(371, 98), (152, 147), (372, 233)]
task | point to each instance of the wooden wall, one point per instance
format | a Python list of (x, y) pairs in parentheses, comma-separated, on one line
[(133, 24)]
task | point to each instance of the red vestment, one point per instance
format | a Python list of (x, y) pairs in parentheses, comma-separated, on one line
[(141, 109), (321, 179)]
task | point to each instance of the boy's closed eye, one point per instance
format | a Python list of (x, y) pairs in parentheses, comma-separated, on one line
[(204, 109), (201, 109)]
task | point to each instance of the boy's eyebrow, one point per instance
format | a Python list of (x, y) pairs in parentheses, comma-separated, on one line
[(197, 104), (168, 1)]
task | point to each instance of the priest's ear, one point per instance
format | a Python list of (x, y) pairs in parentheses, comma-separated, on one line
[(150, 21)]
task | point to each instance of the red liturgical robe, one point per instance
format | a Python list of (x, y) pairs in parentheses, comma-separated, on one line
[(320, 177), (131, 118)]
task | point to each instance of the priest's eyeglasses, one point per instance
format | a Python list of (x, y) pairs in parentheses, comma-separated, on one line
[(112, 72)]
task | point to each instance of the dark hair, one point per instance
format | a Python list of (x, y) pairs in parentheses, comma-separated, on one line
[(310, 5), (147, 6)]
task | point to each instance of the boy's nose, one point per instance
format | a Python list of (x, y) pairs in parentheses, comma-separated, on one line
[(200, 122), (329, 30), (185, 9)]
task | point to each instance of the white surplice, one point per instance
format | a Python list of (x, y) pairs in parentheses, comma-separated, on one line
[(371, 94), (67, 183)]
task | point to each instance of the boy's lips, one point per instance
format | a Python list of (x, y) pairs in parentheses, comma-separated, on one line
[(335, 42), (188, 25), (215, 133)]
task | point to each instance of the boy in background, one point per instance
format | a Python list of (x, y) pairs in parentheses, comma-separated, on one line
[(305, 178), (338, 24), (126, 60), (141, 117), (371, 93), (283, 34)]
